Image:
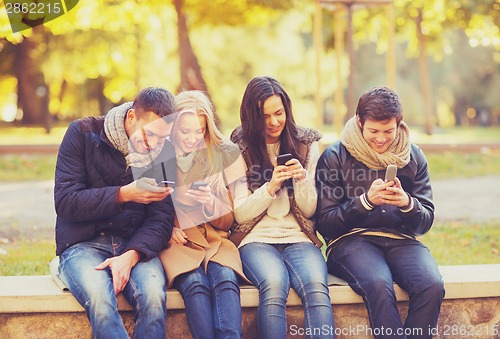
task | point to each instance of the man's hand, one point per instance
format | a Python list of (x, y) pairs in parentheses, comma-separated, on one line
[(381, 192), (120, 267), (143, 191), (397, 196)]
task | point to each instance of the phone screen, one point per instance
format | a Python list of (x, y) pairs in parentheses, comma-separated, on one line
[(283, 158)]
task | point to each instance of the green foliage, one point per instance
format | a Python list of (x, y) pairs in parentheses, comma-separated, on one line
[(458, 243), (26, 257)]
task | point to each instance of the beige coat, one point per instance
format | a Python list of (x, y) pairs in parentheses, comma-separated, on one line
[(207, 240)]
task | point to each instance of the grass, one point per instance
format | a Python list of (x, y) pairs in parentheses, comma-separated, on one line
[(26, 257), (449, 165), (459, 243), (27, 167), (30, 135)]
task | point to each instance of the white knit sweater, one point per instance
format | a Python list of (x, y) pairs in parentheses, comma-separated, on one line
[(278, 226)]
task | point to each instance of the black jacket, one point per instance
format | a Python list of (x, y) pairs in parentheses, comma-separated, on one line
[(341, 180), (89, 172)]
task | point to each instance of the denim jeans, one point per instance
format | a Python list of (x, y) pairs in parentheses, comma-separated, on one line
[(273, 269), (371, 264), (212, 301), (93, 289)]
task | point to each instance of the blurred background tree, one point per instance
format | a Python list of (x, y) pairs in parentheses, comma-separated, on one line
[(102, 52)]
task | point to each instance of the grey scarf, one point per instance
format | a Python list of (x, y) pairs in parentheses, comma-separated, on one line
[(114, 127)]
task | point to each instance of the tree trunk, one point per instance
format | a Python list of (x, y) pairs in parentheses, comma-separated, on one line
[(32, 91), (425, 84), (351, 100), (191, 76)]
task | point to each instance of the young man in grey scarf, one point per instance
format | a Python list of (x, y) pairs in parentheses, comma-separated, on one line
[(371, 225), (112, 217)]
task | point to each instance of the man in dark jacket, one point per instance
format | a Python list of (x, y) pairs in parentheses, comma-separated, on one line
[(112, 218), (371, 225)]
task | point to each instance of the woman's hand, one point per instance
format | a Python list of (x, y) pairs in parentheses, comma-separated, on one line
[(280, 174), (178, 236), (204, 196), (295, 167)]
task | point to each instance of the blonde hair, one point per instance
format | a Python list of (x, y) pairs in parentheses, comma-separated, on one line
[(219, 148)]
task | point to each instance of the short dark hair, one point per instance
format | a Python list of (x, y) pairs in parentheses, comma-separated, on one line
[(379, 104), (155, 99)]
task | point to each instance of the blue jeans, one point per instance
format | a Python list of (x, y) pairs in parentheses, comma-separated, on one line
[(273, 269), (371, 264), (212, 301), (93, 289)]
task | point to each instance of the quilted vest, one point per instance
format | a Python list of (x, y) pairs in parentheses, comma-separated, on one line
[(306, 137)]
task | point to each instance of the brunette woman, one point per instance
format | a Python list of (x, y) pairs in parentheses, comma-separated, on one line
[(275, 235)]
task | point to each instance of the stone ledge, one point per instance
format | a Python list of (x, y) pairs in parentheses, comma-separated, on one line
[(37, 294)]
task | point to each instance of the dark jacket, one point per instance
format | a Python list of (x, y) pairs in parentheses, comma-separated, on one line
[(341, 179), (89, 172)]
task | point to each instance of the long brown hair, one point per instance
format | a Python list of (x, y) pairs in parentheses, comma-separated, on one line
[(253, 125)]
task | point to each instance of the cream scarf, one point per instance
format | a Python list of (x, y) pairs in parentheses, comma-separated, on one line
[(114, 127), (398, 152)]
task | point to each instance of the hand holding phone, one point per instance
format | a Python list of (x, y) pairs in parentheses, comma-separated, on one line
[(197, 184), (283, 158)]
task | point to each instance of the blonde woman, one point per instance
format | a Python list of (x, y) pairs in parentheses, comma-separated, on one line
[(200, 261)]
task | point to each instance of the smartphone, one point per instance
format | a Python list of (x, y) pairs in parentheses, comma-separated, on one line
[(390, 173), (283, 158), (197, 184), (166, 183)]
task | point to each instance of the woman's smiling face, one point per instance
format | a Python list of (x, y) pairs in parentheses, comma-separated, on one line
[(275, 115), (189, 133)]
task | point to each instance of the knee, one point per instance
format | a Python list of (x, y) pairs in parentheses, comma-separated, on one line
[(226, 280), (377, 286), (195, 283), (434, 289), (274, 287)]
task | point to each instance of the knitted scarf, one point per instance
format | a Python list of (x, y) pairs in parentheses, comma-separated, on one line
[(114, 127), (398, 152)]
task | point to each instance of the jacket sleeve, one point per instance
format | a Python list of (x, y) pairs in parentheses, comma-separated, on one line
[(74, 201), (419, 219), (155, 232), (336, 213)]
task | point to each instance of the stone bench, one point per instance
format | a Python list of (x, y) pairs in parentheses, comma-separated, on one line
[(37, 307)]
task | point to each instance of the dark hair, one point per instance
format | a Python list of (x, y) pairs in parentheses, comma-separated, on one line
[(155, 99), (253, 125), (379, 104)]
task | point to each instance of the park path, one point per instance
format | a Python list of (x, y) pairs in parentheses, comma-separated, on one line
[(27, 208)]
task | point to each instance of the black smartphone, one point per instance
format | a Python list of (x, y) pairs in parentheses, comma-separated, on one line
[(197, 184), (166, 183), (283, 158)]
